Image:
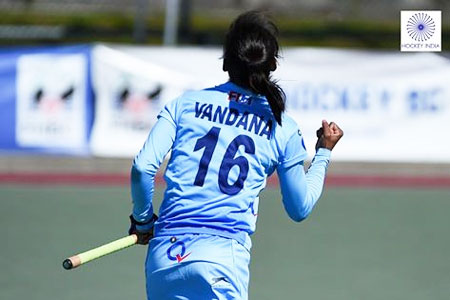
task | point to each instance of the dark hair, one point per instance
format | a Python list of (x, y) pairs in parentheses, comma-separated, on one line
[(250, 53)]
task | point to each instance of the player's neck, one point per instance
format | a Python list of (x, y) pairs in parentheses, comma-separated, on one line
[(241, 82)]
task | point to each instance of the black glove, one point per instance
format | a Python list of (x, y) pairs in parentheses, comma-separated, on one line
[(143, 230), (319, 134)]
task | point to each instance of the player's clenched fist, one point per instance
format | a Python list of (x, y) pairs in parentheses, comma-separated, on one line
[(328, 135)]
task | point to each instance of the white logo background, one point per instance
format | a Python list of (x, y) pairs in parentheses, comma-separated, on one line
[(420, 30), (54, 121)]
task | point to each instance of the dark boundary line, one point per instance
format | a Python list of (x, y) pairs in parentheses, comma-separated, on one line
[(123, 180)]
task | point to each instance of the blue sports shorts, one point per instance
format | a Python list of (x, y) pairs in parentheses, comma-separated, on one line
[(196, 266)]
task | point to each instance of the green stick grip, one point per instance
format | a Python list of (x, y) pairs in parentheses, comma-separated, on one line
[(85, 257)]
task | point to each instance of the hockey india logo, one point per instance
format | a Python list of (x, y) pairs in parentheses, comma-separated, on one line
[(177, 251), (420, 27)]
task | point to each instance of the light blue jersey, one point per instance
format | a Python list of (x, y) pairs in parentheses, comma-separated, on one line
[(225, 144)]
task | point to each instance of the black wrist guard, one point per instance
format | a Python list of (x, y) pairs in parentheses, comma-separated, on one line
[(152, 220)]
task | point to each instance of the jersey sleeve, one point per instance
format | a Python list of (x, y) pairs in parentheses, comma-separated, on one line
[(170, 112), (294, 151), (147, 163), (301, 191)]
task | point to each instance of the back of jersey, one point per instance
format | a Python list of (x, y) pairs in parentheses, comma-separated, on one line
[(227, 143)]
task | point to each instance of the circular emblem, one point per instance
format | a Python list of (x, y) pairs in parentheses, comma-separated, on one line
[(420, 27), (177, 251), (179, 248)]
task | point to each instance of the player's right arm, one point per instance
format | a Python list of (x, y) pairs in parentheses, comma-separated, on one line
[(147, 163), (301, 190)]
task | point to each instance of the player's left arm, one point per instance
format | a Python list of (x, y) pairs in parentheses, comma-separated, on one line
[(301, 191)]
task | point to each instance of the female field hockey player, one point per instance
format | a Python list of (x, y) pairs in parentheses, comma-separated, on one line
[(225, 142)]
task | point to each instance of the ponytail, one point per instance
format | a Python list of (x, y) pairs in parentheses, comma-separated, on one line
[(250, 54), (262, 84)]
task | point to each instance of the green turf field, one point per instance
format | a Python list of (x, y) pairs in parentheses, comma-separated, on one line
[(357, 244)]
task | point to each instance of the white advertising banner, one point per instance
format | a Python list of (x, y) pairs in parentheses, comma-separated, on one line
[(130, 92), (51, 105), (391, 106)]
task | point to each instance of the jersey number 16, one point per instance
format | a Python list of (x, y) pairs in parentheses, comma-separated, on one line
[(209, 142)]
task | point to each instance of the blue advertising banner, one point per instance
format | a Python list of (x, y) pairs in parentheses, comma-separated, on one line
[(46, 99)]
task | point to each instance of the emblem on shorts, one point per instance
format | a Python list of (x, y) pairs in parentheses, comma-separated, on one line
[(177, 251)]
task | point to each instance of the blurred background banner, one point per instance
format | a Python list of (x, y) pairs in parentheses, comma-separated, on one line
[(389, 103), (392, 105), (132, 84), (46, 99)]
